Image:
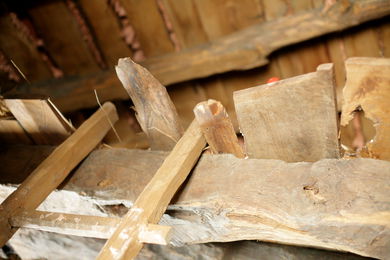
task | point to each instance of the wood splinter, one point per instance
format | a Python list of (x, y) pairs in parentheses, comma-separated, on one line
[(217, 128)]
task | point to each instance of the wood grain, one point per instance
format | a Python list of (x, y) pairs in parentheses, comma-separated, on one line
[(39, 120), (54, 169), (367, 87), (292, 120), (155, 111), (11, 132)]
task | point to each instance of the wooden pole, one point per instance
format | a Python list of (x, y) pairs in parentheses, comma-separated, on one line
[(54, 169), (154, 199), (217, 128), (155, 111)]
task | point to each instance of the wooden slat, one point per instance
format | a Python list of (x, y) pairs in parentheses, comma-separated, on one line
[(39, 120), (11, 132), (292, 120), (333, 204), (217, 128), (367, 87), (52, 171), (103, 21), (152, 34), (85, 226), (154, 109), (154, 199), (22, 51), (62, 37)]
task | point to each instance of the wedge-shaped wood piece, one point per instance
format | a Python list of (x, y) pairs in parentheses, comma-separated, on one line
[(292, 120), (41, 122), (86, 226), (54, 169), (155, 111), (11, 132), (217, 128), (368, 88), (154, 199)]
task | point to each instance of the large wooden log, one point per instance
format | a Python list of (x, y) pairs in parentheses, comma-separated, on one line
[(55, 168), (239, 51), (333, 204)]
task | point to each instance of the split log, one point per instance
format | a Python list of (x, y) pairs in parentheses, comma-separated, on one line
[(40, 121), (368, 88), (239, 51), (217, 128), (55, 168), (154, 199), (155, 111), (292, 120)]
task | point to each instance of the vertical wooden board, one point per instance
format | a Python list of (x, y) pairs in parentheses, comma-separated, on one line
[(62, 37), (221, 17), (22, 51), (106, 28), (363, 42), (39, 120), (186, 22), (384, 31), (292, 120), (145, 17)]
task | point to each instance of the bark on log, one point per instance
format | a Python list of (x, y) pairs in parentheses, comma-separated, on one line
[(333, 204), (239, 51)]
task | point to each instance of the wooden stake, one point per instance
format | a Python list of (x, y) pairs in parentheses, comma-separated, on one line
[(154, 199), (217, 128), (155, 111), (52, 171)]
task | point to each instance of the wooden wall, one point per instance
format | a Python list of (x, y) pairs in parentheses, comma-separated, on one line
[(49, 39)]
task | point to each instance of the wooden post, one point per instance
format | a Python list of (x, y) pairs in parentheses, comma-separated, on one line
[(217, 128), (154, 199), (154, 109), (54, 169)]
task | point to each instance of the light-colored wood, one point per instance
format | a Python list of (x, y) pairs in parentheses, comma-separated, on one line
[(155, 111), (239, 51), (39, 120), (217, 128), (61, 34), (54, 169), (11, 132), (367, 87), (292, 120), (334, 204), (103, 20), (86, 226), (154, 199)]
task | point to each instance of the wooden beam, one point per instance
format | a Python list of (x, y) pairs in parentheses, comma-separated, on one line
[(39, 120), (242, 50), (333, 204), (367, 88), (154, 199), (11, 132), (155, 111), (292, 120), (217, 128), (54, 169), (86, 226)]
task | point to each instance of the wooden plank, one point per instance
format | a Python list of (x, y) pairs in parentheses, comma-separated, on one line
[(155, 111), (315, 204), (39, 120), (52, 171), (153, 34), (292, 120), (217, 128), (367, 87), (22, 51), (62, 37), (11, 132), (103, 20), (154, 199), (240, 51), (86, 226)]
